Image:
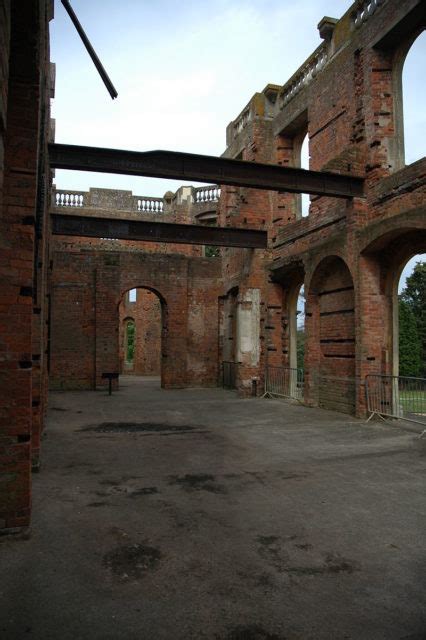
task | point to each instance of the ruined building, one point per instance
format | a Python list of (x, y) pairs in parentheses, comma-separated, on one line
[(66, 309)]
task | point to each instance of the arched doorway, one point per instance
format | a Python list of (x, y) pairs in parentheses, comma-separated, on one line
[(330, 336), (386, 262), (141, 327), (411, 326), (296, 339)]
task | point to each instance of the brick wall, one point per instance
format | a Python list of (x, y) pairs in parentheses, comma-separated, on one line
[(24, 111), (87, 287)]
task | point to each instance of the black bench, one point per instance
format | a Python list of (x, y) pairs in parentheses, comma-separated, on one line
[(110, 377)]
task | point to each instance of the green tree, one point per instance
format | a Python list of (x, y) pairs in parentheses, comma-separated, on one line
[(410, 348), (130, 351), (414, 295), (300, 345)]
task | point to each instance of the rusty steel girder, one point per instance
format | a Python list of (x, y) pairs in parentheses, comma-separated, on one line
[(119, 229), (191, 166)]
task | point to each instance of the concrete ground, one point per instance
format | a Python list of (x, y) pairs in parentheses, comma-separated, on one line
[(193, 514)]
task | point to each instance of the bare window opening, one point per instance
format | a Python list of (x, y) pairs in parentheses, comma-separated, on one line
[(414, 99), (133, 295), (304, 163)]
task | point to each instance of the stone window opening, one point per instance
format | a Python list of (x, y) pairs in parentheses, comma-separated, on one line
[(292, 150), (409, 97), (304, 164), (414, 114)]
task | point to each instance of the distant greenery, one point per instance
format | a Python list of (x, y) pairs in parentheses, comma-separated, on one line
[(412, 324), (130, 351), (300, 341), (212, 252)]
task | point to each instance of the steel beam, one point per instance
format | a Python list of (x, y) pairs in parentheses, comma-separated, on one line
[(119, 229), (190, 166), (90, 50)]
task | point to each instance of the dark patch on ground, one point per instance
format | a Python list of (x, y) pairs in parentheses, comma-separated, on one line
[(57, 409), (292, 476), (305, 547), (97, 504), (277, 556), (267, 540), (250, 632), (132, 561), (144, 491), (261, 581), (332, 564), (198, 482), (271, 550), (136, 427)]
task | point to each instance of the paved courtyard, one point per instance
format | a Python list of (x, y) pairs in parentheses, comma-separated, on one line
[(180, 515)]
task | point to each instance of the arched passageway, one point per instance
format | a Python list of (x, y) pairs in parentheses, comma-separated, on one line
[(382, 262), (141, 317), (411, 325)]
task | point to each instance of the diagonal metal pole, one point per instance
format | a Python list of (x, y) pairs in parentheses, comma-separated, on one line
[(90, 50)]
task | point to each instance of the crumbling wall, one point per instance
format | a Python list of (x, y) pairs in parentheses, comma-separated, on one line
[(347, 97)]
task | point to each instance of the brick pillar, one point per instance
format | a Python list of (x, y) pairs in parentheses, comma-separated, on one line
[(17, 220)]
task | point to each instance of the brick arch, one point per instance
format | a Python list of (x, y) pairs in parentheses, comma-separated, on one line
[(378, 235), (385, 258), (152, 289), (88, 306), (320, 258), (330, 336)]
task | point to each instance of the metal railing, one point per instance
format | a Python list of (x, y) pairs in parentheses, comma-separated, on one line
[(284, 382), (396, 397), (229, 374)]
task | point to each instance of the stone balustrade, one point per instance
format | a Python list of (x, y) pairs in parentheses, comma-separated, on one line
[(69, 198), (206, 194), (363, 10), (304, 75), (118, 200), (241, 122), (150, 205)]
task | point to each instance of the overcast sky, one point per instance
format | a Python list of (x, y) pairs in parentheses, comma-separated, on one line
[(183, 70)]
